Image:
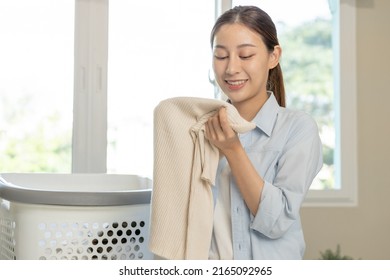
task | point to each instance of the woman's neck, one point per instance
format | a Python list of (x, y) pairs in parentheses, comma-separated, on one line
[(249, 108)]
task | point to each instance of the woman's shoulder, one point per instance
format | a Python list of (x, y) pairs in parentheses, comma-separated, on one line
[(297, 120)]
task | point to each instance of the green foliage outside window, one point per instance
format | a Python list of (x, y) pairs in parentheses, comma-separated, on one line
[(308, 72)]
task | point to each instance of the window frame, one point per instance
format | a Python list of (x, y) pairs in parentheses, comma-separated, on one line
[(345, 113), (89, 151), (89, 140)]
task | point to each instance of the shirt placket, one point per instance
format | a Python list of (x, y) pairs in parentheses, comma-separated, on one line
[(240, 216)]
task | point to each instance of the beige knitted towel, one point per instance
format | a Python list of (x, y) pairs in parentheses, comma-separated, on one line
[(185, 165)]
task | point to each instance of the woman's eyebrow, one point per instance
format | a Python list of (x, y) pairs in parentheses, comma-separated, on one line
[(239, 46), (246, 45)]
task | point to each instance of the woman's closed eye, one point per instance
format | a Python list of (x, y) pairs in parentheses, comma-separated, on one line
[(220, 57), (247, 56), (241, 56)]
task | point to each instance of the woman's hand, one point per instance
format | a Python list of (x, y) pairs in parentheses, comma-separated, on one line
[(220, 134)]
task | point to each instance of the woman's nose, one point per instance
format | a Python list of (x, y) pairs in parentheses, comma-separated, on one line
[(233, 66)]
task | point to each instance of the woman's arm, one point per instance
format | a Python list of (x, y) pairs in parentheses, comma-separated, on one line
[(249, 182)]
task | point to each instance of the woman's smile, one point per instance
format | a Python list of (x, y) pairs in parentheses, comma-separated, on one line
[(236, 84)]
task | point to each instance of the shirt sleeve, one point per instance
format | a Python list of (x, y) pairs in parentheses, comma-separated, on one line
[(299, 162)]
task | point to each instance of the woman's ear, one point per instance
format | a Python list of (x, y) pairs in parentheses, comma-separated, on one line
[(274, 57)]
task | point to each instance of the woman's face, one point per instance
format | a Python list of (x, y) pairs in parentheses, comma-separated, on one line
[(241, 62)]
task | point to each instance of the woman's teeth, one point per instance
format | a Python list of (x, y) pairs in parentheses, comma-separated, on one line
[(236, 83)]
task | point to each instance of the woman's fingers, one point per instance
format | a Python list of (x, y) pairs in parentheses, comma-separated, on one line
[(217, 126), (219, 132), (224, 123)]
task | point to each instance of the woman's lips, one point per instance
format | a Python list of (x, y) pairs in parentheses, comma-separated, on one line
[(235, 84)]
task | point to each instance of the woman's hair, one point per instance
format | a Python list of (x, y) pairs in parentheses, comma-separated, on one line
[(259, 21)]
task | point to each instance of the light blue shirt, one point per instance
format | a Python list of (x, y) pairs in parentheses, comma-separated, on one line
[(286, 151)]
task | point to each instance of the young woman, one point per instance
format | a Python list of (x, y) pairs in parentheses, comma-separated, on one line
[(264, 174)]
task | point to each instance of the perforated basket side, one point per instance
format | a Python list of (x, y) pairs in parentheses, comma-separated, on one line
[(93, 240), (81, 233)]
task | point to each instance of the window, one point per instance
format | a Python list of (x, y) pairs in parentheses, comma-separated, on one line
[(156, 53), (110, 62), (36, 85)]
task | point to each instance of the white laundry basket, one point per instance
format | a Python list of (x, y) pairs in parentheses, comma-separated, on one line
[(74, 216)]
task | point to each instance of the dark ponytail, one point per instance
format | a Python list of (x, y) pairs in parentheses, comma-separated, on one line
[(276, 85), (259, 21)]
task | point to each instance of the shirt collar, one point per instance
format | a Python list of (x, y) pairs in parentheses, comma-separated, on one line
[(266, 117)]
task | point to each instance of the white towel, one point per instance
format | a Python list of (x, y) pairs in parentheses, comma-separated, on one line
[(185, 165)]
